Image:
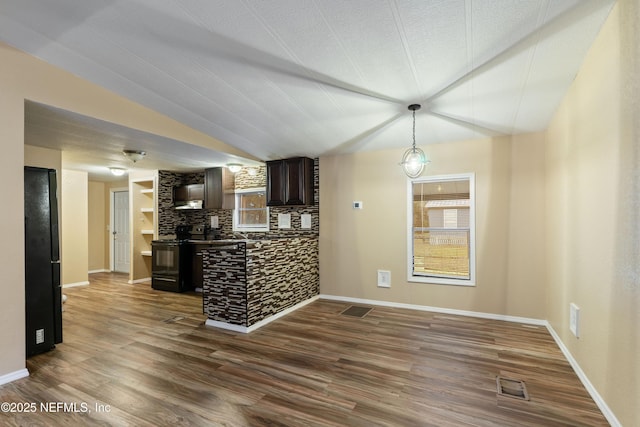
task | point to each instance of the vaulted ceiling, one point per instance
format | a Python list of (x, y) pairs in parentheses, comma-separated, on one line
[(281, 78)]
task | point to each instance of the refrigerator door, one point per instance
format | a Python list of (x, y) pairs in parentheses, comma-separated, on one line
[(42, 276), (55, 258), (57, 302)]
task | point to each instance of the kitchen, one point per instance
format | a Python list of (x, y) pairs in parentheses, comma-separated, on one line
[(191, 233)]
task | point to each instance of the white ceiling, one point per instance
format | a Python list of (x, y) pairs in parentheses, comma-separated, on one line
[(281, 78)]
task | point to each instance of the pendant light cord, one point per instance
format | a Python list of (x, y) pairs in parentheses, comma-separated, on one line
[(414, 131)]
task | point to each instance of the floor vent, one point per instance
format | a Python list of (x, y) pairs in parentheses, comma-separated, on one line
[(173, 319), (512, 388), (357, 311)]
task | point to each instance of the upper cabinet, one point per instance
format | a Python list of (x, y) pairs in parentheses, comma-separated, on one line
[(290, 182), (219, 189), (188, 196)]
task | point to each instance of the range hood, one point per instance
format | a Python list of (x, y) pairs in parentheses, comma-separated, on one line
[(188, 204), (188, 196)]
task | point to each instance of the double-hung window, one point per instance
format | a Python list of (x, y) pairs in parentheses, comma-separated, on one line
[(441, 235), (251, 212)]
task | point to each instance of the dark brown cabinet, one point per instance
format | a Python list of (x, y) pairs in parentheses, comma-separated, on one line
[(219, 186), (290, 182), (197, 276)]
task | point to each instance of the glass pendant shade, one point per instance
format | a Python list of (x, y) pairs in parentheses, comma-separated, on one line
[(414, 159), (413, 162)]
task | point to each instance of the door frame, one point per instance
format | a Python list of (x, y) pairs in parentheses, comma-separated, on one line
[(112, 192)]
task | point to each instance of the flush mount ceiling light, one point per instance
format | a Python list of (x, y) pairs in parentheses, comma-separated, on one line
[(117, 171), (134, 155), (234, 167), (414, 159)]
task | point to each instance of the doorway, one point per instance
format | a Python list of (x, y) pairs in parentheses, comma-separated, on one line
[(120, 235)]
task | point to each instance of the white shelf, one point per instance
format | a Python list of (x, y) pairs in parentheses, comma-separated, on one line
[(145, 253), (146, 232), (146, 210), (147, 191)]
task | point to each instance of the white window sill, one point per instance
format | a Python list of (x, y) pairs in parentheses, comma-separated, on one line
[(441, 281)]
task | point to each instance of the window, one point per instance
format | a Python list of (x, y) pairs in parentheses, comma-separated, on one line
[(441, 235), (251, 212)]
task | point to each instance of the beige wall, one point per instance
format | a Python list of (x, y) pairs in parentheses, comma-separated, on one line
[(354, 244), (43, 158), (75, 227), (98, 221), (593, 203), (25, 77)]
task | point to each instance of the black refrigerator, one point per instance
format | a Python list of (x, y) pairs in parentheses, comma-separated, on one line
[(43, 290)]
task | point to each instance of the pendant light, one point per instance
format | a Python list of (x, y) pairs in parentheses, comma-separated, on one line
[(414, 159)]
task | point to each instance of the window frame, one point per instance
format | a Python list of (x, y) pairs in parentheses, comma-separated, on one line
[(236, 211), (411, 277)]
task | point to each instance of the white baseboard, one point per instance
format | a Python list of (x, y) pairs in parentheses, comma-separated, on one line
[(103, 270), (12, 376), (515, 319), (133, 282), (606, 411), (73, 285), (248, 329)]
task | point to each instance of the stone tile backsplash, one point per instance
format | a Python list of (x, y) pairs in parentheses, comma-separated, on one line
[(169, 218)]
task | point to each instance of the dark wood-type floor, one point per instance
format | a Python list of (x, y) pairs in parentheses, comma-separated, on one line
[(147, 355)]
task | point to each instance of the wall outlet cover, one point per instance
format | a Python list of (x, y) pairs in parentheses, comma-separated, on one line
[(305, 221), (384, 279), (284, 220), (574, 320)]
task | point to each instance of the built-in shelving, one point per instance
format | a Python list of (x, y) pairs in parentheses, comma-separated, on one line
[(145, 228)]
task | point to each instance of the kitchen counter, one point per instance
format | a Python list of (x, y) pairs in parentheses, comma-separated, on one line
[(247, 281)]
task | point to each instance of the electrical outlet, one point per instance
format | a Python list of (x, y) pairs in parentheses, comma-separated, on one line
[(384, 279), (574, 319)]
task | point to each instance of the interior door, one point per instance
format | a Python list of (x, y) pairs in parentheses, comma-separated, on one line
[(120, 232)]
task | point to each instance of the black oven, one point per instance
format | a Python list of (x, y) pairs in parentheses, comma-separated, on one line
[(173, 260), (170, 265)]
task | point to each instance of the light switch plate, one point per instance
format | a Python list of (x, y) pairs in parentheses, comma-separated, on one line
[(214, 221)]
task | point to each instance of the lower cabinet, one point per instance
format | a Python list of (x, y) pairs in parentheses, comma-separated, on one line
[(197, 276)]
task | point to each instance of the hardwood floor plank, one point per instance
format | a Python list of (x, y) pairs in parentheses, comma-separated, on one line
[(149, 358)]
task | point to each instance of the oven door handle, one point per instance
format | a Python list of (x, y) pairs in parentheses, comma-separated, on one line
[(164, 279)]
